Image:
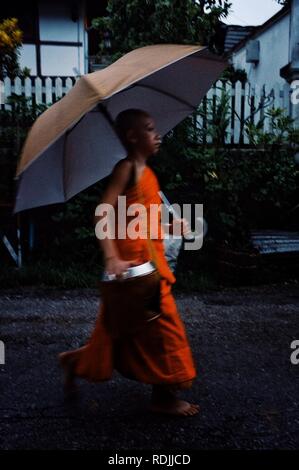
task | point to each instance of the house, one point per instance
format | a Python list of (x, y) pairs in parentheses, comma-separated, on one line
[(270, 57), (270, 54), (234, 34), (57, 40), (265, 51)]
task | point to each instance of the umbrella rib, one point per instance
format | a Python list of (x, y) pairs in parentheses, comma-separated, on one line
[(106, 114), (167, 93)]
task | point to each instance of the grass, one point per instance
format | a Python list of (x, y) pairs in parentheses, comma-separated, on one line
[(192, 281), (81, 275), (50, 274)]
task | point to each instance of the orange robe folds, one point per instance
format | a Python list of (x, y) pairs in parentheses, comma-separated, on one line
[(160, 353)]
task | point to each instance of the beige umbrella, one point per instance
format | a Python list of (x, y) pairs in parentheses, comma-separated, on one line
[(72, 145)]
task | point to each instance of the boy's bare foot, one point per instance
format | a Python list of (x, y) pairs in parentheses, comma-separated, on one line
[(164, 400), (67, 364), (175, 407)]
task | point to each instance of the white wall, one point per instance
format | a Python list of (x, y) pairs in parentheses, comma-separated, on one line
[(62, 60), (56, 24), (28, 57), (274, 54)]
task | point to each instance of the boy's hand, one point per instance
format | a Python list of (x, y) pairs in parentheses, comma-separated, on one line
[(179, 227), (119, 266)]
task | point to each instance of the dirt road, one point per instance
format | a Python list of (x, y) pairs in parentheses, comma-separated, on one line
[(247, 386)]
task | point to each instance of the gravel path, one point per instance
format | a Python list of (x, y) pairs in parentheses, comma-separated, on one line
[(246, 385)]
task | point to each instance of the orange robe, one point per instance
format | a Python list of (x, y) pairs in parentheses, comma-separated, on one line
[(160, 353)]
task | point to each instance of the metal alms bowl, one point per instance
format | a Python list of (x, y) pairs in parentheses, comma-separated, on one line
[(133, 271)]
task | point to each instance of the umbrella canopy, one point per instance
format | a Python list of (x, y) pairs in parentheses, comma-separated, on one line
[(72, 145)]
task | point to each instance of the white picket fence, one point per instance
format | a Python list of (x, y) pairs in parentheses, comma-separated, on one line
[(41, 90), (243, 99), (246, 104)]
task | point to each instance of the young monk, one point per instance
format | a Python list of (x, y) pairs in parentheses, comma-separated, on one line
[(159, 354)]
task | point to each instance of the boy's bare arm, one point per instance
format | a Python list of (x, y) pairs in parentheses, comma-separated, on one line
[(119, 180)]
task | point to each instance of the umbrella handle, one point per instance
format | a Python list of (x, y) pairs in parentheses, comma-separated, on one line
[(192, 235)]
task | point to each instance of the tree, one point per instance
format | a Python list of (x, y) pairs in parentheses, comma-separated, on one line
[(137, 23), (10, 42)]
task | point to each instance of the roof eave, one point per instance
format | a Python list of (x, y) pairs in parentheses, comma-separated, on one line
[(260, 29)]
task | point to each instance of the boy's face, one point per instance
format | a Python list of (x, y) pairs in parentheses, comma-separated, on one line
[(144, 136)]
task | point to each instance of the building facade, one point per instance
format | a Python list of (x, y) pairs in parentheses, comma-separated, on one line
[(266, 51), (57, 38)]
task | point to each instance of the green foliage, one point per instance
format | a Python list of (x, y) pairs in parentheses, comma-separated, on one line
[(234, 75), (51, 273), (241, 189), (10, 44), (74, 237), (281, 130), (14, 125), (217, 116), (138, 23), (74, 220)]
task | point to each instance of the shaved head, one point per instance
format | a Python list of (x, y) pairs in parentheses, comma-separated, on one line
[(127, 120)]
